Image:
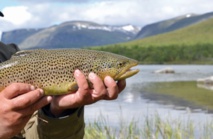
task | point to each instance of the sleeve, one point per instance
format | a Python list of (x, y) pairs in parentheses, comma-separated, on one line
[(6, 51), (42, 126)]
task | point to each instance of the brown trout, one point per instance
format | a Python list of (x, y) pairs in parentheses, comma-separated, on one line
[(53, 70)]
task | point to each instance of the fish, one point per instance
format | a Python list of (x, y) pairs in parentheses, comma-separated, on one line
[(53, 69)]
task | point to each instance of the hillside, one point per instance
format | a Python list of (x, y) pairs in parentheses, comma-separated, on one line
[(70, 34), (18, 36), (172, 24), (192, 44)]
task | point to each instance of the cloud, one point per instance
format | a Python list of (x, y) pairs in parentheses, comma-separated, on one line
[(34, 14), (17, 15), (58, 1), (110, 12)]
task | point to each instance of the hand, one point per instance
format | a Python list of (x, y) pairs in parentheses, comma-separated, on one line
[(18, 102), (107, 89)]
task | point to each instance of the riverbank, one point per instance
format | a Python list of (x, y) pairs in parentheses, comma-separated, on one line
[(165, 54), (190, 45), (153, 127), (135, 115)]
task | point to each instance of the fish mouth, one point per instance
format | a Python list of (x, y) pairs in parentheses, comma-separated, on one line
[(127, 72)]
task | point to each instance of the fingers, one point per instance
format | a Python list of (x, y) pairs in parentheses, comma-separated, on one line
[(112, 88), (25, 105), (99, 90), (24, 100), (74, 99), (23, 95), (107, 89), (121, 85), (37, 105), (18, 103), (16, 89), (83, 87), (81, 81)]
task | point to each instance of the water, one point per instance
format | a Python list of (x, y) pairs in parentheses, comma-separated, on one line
[(182, 73), (132, 105)]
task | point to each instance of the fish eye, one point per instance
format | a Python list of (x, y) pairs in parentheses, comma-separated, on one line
[(120, 64)]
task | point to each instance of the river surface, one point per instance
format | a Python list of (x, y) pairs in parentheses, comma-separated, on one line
[(132, 104)]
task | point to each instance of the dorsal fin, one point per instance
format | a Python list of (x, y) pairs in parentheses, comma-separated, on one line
[(25, 53), (22, 53)]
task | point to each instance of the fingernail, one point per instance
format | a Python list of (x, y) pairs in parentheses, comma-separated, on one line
[(41, 91), (92, 75), (77, 72), (108, 78), (32, 87), (49, 98)]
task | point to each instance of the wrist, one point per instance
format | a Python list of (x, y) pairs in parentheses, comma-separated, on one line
[(56, 113)]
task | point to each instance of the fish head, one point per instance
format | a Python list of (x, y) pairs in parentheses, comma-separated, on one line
[(116, 66)]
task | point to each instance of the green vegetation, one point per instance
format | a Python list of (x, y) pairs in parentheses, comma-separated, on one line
[(184, 90), (156, 126), (153, 127), (193, 44)]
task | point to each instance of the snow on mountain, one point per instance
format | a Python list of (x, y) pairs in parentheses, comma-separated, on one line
[(71, 34), (130, 28), (77, 25)]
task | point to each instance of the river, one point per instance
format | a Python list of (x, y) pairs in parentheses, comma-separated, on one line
[(133, 104)]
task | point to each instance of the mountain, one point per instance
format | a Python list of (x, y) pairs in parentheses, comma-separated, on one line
[(71, 34), (4, 25), (172, 24), (18, 36), (199, 33), (83, 34)]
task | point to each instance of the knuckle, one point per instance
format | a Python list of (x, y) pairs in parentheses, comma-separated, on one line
[(32, 109), (100, 94), (22, 101), (13, 119), (114, 86), (84, 86), (103, 92), (5, 108), (14, 86), (25, 101), (114, 96), (85, 96), (113, 93)]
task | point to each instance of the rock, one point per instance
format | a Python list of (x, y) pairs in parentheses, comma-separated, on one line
[(165, 70), (208, 80), (206, 83)]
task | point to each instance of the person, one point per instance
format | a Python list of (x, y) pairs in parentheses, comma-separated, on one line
[(26, 113), (1, 14)]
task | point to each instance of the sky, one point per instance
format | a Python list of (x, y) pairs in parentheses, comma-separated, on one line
[(45, 13)]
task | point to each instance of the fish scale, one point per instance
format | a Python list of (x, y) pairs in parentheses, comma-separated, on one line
[(53, 69)]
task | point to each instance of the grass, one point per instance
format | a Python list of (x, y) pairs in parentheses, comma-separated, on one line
[(153, 127), (199, 33), (189, 45), (156, 126)]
